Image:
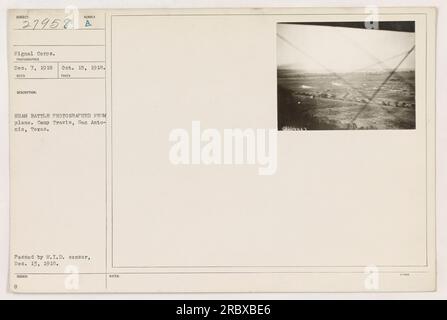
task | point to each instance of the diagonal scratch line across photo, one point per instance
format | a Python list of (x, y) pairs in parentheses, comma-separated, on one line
[(383, 83)]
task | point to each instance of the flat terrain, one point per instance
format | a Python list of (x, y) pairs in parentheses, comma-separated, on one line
[(359, 100)]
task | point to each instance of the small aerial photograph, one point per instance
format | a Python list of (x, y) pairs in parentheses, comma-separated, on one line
[(346, 75)]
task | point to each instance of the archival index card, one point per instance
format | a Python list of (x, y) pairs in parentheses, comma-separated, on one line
[(224, 150)]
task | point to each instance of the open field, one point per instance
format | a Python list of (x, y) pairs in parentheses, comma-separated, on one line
[(357, 100)]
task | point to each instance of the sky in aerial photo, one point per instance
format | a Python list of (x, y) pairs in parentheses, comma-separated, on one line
[(324, 49)]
